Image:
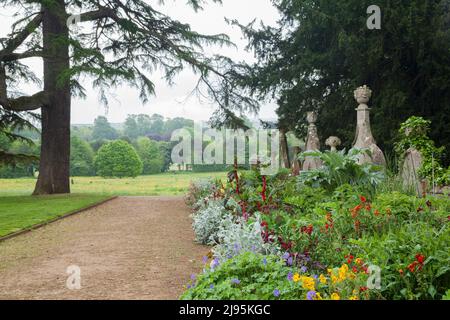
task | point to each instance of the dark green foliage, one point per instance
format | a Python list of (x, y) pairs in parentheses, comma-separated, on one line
[(320, 51), (97, 144), (103, 129), (150, 154), (81, 158), (118, 159)]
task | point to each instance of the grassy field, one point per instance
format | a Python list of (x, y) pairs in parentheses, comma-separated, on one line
[(162, 184), (22, 212)]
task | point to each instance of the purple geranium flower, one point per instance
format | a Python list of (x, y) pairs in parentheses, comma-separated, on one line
[(215, 263), (205, 259), (286, 255), (290, 276), (311, 295), (211, 286), (276, 293), (290, 261), (265, 261), (303, 269), (193, 276), (235, 281)]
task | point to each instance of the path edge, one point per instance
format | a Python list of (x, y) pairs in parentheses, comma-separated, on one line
[(45, 223)]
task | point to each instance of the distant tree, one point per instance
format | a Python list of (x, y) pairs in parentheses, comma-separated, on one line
[(81, 157), (82, 132), (131, 128), (118, 159), (150, 154), (97, 144), (176, 123), (156, 124), (103, 129), (166, 152)]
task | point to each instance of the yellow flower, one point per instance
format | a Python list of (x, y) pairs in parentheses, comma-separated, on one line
[(358, 260), (343, 272), (335, 296), (318, 296), (330, 271), (308, 283), (296, 277), (334, 279), (322, 279), (354, 298)]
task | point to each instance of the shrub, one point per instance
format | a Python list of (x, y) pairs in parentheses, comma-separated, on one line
[(339, 168), (81, 157), (150, 154), (413, 133), (207, 221), (235, 237), (199, 189), (118, 159)]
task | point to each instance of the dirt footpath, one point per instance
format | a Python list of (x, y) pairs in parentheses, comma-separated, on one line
[(128, 248)]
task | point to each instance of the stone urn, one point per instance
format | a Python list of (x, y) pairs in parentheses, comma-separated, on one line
[(333, 143)]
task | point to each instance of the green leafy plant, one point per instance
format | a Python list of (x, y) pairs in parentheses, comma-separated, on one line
[(118, 159), (340, 168), (413, 133)]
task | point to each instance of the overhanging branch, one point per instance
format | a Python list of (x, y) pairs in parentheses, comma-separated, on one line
[(25, 103), (13, 43)]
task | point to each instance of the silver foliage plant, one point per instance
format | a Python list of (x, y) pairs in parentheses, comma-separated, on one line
[(207, 220), (236, 236)]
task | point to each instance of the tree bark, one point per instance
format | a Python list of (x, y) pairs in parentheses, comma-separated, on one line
[(55, 142)]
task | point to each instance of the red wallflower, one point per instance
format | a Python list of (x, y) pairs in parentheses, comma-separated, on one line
[(376, 213), (308, 230), (363, 199), (412, 266), (420, 258)]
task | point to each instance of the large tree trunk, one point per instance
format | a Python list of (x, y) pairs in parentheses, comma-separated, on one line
[(55, 148)]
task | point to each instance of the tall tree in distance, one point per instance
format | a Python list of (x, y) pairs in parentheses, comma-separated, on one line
[(103, 129), (119, 43), (320, 51)]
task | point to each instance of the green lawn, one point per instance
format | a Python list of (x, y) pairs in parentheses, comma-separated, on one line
[(22, 212), (161, 184)]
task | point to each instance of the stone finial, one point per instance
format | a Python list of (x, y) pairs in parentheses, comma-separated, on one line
[(333, 143), (312, 143), (311, 117), (364, 138), (363, 95)]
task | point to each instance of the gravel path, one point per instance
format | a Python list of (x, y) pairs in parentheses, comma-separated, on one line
[(128, 248)]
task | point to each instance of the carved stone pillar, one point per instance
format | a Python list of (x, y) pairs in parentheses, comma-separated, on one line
[(364, 138), (312, 143), (410, 170)]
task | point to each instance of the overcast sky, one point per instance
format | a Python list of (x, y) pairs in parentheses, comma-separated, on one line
[(170, 101)]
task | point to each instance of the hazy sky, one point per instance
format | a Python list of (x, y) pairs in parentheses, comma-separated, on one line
[(170, 101)]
